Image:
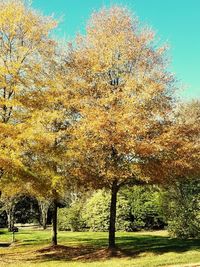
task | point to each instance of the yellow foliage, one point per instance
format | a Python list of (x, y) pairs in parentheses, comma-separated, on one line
[(128, 128)]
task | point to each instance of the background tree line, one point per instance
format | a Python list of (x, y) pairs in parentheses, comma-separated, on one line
[(176, 209)]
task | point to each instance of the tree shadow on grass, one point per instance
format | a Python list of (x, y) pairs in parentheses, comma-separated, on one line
[(157, 243), (127, 247), (4, 244), (85, 249)]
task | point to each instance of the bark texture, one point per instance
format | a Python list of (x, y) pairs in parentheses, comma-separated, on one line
[(113, 208), (54, 241)]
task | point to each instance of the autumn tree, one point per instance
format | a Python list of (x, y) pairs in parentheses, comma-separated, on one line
[(45, 136), (43, 158), (25, 50), (29, 102), (126, 131)]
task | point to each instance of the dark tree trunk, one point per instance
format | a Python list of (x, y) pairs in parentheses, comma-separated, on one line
[(113, 208), (54, 224)]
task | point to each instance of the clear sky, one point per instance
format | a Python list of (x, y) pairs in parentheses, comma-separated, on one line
[(175, 21)]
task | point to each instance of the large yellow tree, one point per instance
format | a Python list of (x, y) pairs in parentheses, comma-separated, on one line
[(27, 89), (126, 125), (25, 51), (34, 108)]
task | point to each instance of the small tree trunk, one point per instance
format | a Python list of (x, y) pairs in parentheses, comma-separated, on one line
[(10, 218), (44, 220), (44, 207), (113, 208), (54, 224)]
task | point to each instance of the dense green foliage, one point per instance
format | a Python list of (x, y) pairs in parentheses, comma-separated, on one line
[(3, 219), (181, 206), (70, 218), (137, 208), (145, 207), (27, 210), (96, 212)]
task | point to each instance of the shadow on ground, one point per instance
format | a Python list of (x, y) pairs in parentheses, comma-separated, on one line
[(4, 245), (132, 247), (96, 249)]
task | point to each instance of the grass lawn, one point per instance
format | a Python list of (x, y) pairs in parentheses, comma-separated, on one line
[(144, 249)]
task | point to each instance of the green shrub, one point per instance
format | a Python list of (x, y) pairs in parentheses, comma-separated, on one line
[(96, 212), (145, 207), (71, 218), (181, 206)]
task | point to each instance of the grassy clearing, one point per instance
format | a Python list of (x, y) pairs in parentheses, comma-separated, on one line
[(145, 249)]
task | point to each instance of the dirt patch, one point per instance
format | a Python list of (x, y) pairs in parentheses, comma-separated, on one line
[(64, 252)]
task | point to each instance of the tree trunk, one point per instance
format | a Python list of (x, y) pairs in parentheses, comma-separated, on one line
[(113, 208), (44, 207), (44, 220), (10, 218), (54, 224)]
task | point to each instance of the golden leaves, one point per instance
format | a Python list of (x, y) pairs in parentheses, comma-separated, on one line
[(127, 121), (102, 110), (25, 54)]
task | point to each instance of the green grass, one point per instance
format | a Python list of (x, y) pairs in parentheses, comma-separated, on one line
[(144, 249)]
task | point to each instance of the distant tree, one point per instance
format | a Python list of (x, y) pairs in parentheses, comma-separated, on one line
[(8, 205), (44, 205), (138, 207)]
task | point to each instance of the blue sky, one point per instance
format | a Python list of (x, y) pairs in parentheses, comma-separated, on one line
[(175, 21)]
